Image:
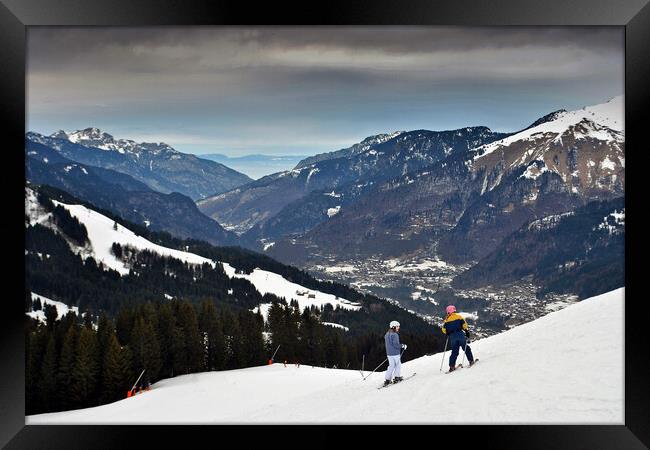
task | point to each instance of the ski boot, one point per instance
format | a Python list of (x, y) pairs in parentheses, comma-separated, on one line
[(386, 382), (452, 368), (398, 379)]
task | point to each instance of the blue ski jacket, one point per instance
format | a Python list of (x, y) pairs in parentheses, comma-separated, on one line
[(393, 346)]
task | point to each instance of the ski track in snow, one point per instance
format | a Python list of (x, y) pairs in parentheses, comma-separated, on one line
[(564, 368)]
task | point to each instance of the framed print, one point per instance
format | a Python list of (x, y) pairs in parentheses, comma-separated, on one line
[(241, 216)]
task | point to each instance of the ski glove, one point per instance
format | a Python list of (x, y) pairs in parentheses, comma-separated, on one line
[(467, 334), (404, 346)]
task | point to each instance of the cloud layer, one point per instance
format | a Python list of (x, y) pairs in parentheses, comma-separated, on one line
[(305, 90)]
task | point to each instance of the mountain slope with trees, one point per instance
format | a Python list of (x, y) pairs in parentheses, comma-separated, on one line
[(171, 318), (174, 213)]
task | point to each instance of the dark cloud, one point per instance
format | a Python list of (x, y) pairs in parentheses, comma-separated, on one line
[(64, 46), (312, 86), (390, 39)]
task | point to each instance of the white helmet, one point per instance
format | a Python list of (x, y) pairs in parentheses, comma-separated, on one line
[(394, 324)]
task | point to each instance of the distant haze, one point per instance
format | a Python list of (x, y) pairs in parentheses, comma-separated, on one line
[(256, 166), (306, 90)]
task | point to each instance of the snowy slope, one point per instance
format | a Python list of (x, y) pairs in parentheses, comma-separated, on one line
[(564, 368), (102, 235), (61, 308)]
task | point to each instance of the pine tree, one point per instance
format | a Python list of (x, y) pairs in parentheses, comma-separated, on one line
[(88, 319), (238, 341), (232, 339), (84, 376), (251, 326), (306, 336), (117, 250), (150, 314), (336, 354), (34, 350), (124, 325), (188, 323), (47, 381), (276, 326), (166, 326), (116, 374), (51, 315), (104, 332), (178, 352), (211, 328), (66, 369), (145, 350), (319, 354)]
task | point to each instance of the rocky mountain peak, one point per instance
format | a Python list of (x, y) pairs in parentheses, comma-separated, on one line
[(547, 118)]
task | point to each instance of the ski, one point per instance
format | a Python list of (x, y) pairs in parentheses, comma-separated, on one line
[(393, 384), (460, 366)]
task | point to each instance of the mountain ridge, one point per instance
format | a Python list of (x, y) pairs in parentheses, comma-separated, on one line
[(123, 195), (158, 165)]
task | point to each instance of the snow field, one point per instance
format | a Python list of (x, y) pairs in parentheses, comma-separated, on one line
[(564, 368)]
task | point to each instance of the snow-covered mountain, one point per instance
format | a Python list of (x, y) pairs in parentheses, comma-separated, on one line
[(103, 232), (586, 147), (466, 203), (94, 137), (549, 371), (158, 165), (552, 168)]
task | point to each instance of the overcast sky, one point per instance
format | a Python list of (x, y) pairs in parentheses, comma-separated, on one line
[(290, 90)]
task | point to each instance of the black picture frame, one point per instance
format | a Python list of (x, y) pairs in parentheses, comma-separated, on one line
[(17, 15)]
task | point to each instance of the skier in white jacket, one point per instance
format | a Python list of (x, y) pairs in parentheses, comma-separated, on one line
[(393, 351)]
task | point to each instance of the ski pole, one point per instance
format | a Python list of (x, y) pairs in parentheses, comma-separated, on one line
[(464, 350), (136, 381), (276, 350), (376, 368), (443, 353), (400, 355)]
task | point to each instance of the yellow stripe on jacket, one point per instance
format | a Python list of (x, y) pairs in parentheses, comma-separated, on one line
[(454, 322)]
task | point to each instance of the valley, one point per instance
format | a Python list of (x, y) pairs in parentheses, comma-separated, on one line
[(422, 285)]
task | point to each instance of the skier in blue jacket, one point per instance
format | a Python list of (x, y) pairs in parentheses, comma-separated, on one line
[(457, 330), (393, 351)]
